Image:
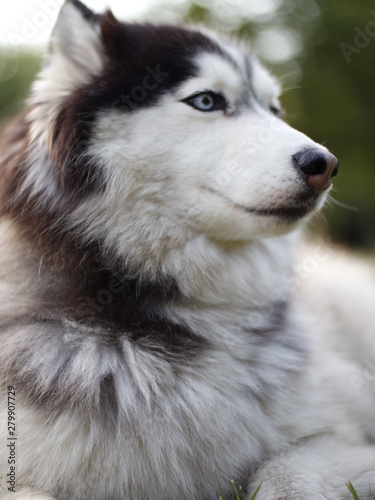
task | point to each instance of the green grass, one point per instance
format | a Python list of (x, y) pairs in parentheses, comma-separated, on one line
[(256, 492), (354, 493), (239, 493)]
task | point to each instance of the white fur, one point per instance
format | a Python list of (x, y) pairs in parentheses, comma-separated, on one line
[(75, 56), (181, 198), (242, 404)]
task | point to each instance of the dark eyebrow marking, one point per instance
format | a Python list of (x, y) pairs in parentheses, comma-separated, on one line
[(249, 92), (248, 68), (227, 57), (232, 61)]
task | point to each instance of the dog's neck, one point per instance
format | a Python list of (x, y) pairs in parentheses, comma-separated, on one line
[(234, 281), (226, 274), (239, 283)]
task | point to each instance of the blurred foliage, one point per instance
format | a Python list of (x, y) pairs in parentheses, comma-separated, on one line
[(17, 71), (335, 105), (328, 98)]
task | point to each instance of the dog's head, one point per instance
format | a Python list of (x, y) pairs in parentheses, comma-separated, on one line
[(146, 136)]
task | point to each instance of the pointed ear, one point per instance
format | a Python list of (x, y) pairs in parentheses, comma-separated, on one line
[(76, 52), (77, 38)]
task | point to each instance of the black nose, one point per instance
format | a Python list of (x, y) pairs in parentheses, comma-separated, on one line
[(317, 167)]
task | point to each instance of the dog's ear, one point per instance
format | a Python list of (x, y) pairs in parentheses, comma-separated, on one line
[(76, 41), (76, 52)]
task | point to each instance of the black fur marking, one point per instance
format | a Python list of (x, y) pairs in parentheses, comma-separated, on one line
[(66, 389), (249, 93), (88, 14), (123, 306), (144, 62), (77, 174), (83, 301), (108, 405)]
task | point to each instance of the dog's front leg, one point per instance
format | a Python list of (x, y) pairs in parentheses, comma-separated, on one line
[(318, 469)]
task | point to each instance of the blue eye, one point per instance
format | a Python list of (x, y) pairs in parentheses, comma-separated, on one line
[(206, 102)]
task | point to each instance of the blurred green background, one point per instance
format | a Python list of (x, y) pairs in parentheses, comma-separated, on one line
[(324, 53)]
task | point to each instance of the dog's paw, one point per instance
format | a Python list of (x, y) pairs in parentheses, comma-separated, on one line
[(271, 490), (318, 469), (278, 481)]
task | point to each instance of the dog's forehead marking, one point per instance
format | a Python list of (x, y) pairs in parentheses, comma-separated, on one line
[(235, 73)]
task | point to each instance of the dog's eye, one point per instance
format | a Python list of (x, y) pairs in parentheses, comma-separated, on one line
[(206, 101)]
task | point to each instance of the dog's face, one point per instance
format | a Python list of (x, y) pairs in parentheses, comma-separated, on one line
[(175, 131)]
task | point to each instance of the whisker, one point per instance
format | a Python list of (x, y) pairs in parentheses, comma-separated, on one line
[(343, 205)]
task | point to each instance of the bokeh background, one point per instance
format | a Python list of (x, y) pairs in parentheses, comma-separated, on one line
[(323, 52)]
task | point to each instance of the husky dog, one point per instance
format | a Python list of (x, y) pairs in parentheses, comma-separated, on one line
[(155, 342)]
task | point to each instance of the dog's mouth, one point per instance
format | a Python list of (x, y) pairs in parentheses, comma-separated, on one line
[(292, 212)]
